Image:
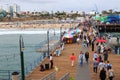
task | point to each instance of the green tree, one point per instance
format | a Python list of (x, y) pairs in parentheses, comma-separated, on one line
[(104, 12)]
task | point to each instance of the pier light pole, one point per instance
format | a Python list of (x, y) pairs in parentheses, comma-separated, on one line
[(48, 39), (61, 34), (21, 44)]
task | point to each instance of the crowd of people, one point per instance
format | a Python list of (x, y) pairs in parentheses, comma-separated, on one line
[(101, 61), (87, 38)]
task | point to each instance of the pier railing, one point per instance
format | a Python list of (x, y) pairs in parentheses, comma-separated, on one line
[(65, 77), (7, 74), (33, 64), (51, 76)]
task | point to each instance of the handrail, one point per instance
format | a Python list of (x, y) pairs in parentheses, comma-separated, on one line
[(65, 77), (50, 76), (6, 74)]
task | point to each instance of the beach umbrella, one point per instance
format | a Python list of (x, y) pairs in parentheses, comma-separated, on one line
[(103, 19), (71, 32), (77, 30), (97, 17), (67, 35), (101, 40)]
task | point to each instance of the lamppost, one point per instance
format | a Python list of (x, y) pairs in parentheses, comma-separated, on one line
[(48, 39), (61, 34), (21, 44)]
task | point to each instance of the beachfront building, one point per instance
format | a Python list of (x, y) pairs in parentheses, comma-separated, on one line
[(0, 7), (13, 10), (16, 8), (9, 10)]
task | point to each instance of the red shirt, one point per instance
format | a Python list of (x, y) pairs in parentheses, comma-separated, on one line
[(72, 57)]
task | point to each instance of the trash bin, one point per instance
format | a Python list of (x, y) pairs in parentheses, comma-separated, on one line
[(15, 76), (47, 66)]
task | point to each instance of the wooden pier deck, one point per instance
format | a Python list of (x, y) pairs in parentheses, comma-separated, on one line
[(62, 62)]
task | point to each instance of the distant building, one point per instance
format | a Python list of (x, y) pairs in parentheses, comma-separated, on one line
[(92, 13), (13, 10), (0, 7), (44, 12), (16, 8), (9, 9)]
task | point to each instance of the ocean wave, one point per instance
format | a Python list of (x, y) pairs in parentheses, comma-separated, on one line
[(5, 32)]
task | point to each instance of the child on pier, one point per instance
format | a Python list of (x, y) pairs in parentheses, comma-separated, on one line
[(72, 57)]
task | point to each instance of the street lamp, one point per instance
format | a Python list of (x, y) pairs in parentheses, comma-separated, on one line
[(61, 34), (21, 44), (48, 39)]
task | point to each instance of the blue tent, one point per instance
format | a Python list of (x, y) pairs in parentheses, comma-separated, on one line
[(113, 18)]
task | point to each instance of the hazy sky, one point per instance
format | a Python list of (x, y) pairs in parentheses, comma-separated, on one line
[(64, 5)]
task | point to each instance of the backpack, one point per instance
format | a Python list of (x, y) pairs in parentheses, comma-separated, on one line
[(111, 74), (108, 66)]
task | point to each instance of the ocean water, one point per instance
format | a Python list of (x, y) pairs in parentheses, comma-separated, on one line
[(9, 47)]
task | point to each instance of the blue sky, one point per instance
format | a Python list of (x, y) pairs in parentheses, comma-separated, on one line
[(64, 5)]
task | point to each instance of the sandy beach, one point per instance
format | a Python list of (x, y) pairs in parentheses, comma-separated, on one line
[(37, 26)]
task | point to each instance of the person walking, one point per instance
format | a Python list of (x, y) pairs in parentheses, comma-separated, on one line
[(105, 54), (81, 57), (78, 41), (87, 56), (93, 40), (108, 65), (51, 61), (95, 65), (72, 57), (95, 55), (92, 46), (101, 65), (99, 59), (102, 74), (111, 73)]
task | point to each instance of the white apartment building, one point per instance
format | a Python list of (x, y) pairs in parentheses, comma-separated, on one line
[(16, 8), (9, 9), (13, 10)]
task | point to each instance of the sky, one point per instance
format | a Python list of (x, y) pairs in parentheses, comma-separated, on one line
[(64, 5)]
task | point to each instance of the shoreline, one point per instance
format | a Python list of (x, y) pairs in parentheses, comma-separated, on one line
[(39, 26)]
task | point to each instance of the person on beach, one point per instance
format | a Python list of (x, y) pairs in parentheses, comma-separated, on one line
[(73, 58), (51, 61)]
